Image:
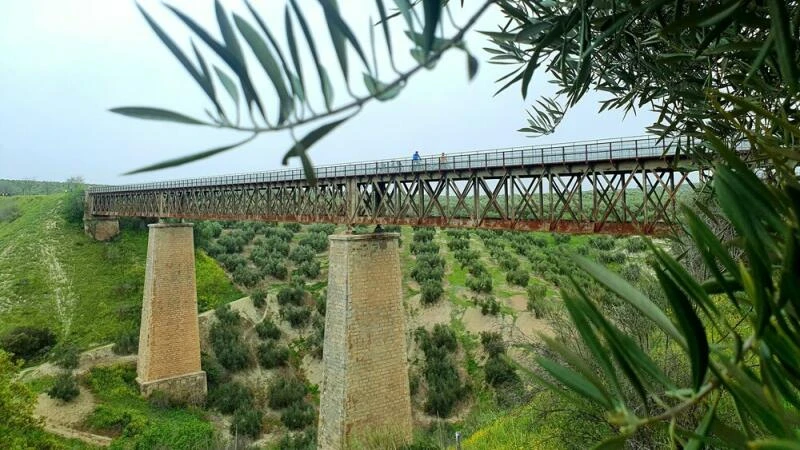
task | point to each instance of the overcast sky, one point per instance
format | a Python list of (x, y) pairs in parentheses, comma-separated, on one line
[(65, 63)]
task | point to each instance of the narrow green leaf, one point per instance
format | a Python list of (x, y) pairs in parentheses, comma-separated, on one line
[(784, 42), (385, 25), (207, 80), (774, 444), (697, 442), (631, 295), (274, 43), (760, 57), (577, 310), (300, 148), (181, 57), (433, 13), (342, 32), (190, 158), (472, 66), (378, 88), (528, 73), (229, 56), (325, 84), (612, 443), (147, 113), (270, 65), (573, 380), (229, 85), (327, 88), (293, 52), (691, 325), (580, 365)]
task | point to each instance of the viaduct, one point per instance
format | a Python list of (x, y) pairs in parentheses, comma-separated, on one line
[(617, 186)]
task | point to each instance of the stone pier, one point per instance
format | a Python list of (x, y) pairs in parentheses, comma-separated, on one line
[(169, 338), (365, 393)]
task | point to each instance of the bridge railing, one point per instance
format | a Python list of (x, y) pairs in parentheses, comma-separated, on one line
[(551, 154)]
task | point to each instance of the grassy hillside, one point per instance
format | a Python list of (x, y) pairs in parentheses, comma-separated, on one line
[(475, 301), (87, 292)]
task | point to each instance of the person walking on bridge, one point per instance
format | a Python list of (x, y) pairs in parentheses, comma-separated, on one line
[(415, 159)]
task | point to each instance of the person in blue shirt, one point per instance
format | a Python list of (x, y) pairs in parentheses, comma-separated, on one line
[(416, 156)]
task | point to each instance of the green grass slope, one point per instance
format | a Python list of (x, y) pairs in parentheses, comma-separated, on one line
[(53, 275)]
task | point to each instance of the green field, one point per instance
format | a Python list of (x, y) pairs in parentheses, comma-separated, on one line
[(52, 275)]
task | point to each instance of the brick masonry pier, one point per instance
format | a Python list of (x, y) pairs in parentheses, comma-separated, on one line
[(365, 392), (169, 338)]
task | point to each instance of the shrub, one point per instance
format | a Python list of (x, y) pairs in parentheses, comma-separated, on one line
[(269, 248), (273, 267), (126, 342), (324, 228), (424, 234), (215, 373), (466, 257), (444, 385), (246, 276), (424, 272), (259, 297), (10, 212), (302, 253), (306, 440), (321, 303), (226, 315), (270, 355), (230, 243), (297, 316), (69, 356), (601, 242), (72, 209), (285, 392), (536, 297), (293, 295), (611, 257), (518, 277), (279, 232), (479, 284), (229, 397), (232, 262), (498, 371), (298, 416), (507, 261), (631, 272), (493, 343), (65, 387), (308, 269), (266, 329), (228, 347), (247, 422), (561, 238), (316, 241), (458, 244), (28, 342), (292, 226), (431, 292), (117, 419), (424, 247), (441, 337), (635, 245), (477, 269), (489, 306)]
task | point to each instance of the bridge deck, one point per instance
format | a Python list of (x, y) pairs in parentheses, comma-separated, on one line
[(617, 186)]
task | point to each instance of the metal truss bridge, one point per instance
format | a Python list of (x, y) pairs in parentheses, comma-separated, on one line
[(615, 186)]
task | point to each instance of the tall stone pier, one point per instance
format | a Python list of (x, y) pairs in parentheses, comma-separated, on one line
[(365, 392), (169, 338)]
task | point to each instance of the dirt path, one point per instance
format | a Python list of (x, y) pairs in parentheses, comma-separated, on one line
[(63, 293), (6, 279)]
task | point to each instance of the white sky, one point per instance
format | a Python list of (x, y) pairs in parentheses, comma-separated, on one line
[(63, 64)]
